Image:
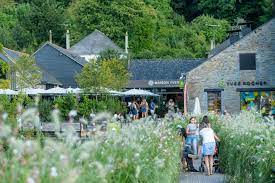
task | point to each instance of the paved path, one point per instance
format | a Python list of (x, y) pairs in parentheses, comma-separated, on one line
[(198, 177), (201, 178)]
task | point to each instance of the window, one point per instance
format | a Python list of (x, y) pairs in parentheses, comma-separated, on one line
[(214, 101), (247, 61), (263, 101)]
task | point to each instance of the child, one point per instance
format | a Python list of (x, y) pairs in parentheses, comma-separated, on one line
[(208, 144)]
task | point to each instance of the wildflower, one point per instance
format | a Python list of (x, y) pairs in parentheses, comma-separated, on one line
[(159, 163), (30, 180), (54, 172), (136, 155), (137, 171)]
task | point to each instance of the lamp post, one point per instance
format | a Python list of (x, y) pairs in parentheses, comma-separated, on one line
[(183, 85)]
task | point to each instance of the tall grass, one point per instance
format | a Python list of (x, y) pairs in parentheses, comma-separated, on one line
[(142, 152), (247, 150)]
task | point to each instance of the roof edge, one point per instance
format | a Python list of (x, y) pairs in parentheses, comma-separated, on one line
[(250, 33), (54, 46)]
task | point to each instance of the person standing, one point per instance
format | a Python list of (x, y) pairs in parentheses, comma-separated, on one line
[(208, 144), (144, 108), (134, 110), (191, 132), (152, 107)]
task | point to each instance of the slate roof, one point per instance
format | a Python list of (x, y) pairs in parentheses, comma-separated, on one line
[(11, 55), (49, 79), (69, 54), (161, 69), (93, 44), (60, 65)]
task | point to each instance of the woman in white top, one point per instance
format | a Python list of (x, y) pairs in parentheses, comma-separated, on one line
[(208, 144)]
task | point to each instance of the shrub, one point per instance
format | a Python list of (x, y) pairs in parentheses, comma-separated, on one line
[(45, 108), (65, 104)]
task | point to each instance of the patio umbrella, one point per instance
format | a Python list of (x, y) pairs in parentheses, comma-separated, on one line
[(73, 90), (197, 107), (8, 92), (139, 92), (33, 91), (56, 90), (115, 93)]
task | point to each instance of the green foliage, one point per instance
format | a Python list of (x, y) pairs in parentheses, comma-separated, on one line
[(4, 69), (114, 18), (218, 8), (28, 75), (88, 78), (109, 54), (156, 28), (247, 148), (65, 104), (43, 16), (142, 152), (88, 106), (45, 108), (4, 84), (211, 28), (113, 74), (9, 105), (98, 75)]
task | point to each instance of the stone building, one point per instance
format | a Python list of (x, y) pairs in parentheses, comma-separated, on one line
[(240, 76)]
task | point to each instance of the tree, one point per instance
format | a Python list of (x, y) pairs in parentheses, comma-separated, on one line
[(4, 70), (98, 75), (41, 16), (5, 3), (211, 28), (114, 74), (218, 8), (187, 8), (28, 75), (114, 18)]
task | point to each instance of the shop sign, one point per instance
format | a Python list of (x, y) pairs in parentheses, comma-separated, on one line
[(163, 82), (246, 83), (181, 84)]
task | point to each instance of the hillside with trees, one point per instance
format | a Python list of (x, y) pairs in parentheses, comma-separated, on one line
[(156, 28)]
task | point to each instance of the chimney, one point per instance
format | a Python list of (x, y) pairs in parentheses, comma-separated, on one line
[(126, 43), (50, 36), (234, 35), (68, 39), (245, 28)]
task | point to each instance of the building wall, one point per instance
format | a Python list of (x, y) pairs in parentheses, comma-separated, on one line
[(224, 67), (58, 65)]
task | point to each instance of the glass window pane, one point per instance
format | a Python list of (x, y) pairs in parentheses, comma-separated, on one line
[(263, 101), (214, 101)]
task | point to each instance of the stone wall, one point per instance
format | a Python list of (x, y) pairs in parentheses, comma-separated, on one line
[(224, 67)]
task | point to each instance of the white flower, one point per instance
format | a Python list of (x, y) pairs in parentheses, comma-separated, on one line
[(159, 163), (54, 172), (30, 180), (136, 155), (137, 171)]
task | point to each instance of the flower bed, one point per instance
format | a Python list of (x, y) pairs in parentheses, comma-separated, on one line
[(141, 152), (247, 148)]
